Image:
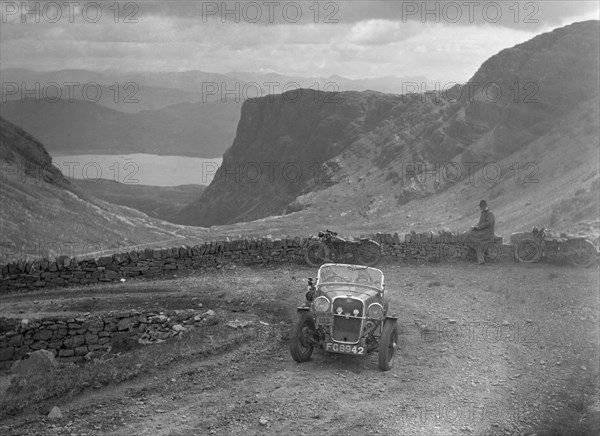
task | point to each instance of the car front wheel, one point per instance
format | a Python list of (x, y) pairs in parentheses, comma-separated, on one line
[(302, 338), (388, 345)]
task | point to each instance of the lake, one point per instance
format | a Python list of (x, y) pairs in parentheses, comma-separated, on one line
[(139, 168)]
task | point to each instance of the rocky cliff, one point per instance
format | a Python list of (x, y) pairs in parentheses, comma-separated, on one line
[(291, 148)]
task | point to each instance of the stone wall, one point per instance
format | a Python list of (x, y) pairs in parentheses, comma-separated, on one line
[(77, 337), (80, 336), (65, 271)]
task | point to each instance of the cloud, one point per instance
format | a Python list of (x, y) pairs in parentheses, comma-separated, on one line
[(370, 39), (523, 14), (380, 32)]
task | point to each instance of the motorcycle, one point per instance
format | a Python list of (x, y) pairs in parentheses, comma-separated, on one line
[(531, 247), (332, 248)]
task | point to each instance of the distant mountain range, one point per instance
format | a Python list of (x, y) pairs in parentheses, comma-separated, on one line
[(530, 113), (145, 90), (191, 113)]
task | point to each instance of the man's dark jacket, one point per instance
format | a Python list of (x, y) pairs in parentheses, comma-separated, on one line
[(484, 232)]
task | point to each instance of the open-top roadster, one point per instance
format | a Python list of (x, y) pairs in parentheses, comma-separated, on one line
[(346, 312)]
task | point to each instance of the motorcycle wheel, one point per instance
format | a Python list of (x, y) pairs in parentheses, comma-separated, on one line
[(582, 253), (315, 254), (369, 253), (528, 251)]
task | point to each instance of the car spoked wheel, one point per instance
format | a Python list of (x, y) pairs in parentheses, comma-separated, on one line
[(388, 345), (302, 340)]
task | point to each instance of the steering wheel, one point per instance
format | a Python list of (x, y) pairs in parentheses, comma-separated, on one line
[(362, 278), (335, 276)]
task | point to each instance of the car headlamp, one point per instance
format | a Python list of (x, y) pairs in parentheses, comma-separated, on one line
[(375, 311), (321, 304)]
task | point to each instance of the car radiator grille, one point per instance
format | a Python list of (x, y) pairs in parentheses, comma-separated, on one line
[(347, 329)]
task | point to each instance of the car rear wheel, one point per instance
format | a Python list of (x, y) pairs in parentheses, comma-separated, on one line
[(388, 345), (302, 338)]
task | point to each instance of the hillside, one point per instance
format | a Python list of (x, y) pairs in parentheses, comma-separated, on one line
[(79, 127), (42, 214), (161, 202), (544, 137)]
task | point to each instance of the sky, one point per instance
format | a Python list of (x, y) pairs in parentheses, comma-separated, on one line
[(439, 40)]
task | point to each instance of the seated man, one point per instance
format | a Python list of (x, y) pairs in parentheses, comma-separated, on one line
[(483, 233)]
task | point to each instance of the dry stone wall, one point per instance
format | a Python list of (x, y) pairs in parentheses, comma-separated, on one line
[(78, 337), (65, 271)]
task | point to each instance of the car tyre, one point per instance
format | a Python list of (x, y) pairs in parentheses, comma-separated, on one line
[(388, 345), (301, 338)]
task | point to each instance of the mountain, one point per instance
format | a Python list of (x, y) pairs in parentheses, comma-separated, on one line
[(530, 113), (129, 92), (280, 83), (128, 97), (78, 127), (42, 214), (162, 202)]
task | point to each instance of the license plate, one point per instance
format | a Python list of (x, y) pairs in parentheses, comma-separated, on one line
[(324, 320), (344, 348)]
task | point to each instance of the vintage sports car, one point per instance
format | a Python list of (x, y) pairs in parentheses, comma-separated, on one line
[(346, 312)]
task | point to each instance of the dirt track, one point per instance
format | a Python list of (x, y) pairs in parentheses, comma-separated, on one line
[(499, 349)]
